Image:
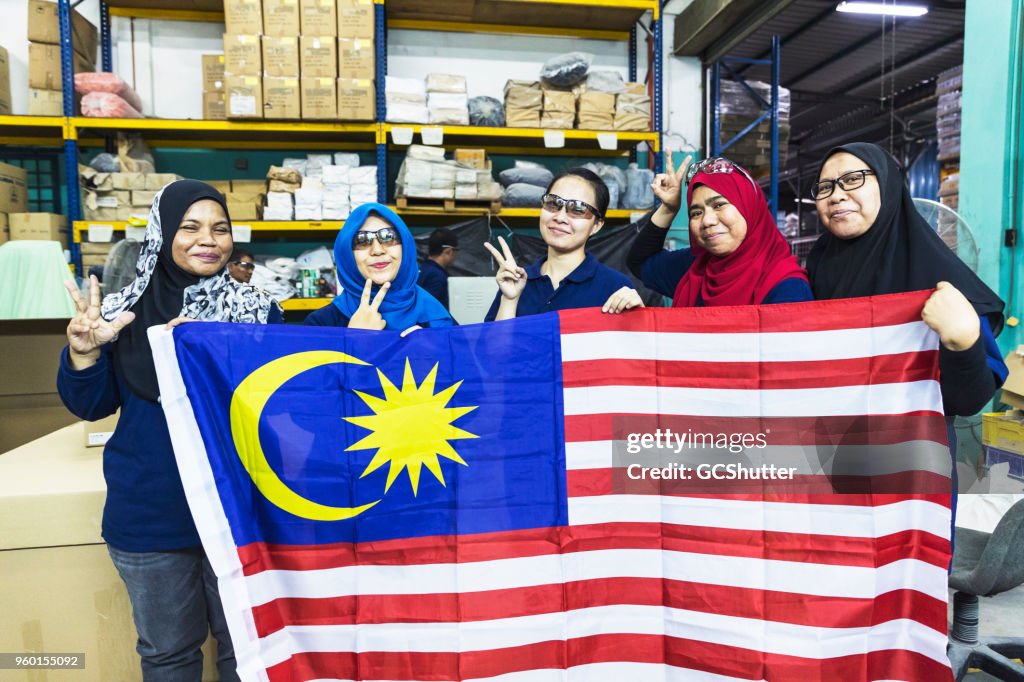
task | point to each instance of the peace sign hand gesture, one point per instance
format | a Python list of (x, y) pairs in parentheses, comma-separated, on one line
[(511, 278), (87, 331), (367, 315), (668, 186)]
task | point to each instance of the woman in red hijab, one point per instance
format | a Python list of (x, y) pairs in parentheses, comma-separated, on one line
[(737, 255)]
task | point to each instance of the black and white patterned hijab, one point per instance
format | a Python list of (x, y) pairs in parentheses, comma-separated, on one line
[(163, 291)]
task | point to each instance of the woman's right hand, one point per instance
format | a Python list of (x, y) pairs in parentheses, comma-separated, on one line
[(511, 278), (367, 315), (87, 331), (668, 186)]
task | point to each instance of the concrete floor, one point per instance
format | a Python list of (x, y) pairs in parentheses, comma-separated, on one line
[(1001, 616)]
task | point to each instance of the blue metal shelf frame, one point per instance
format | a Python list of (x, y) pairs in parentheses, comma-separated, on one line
[(70, 146), (381, 69), (106, 40), (771, 110), (656, 99)]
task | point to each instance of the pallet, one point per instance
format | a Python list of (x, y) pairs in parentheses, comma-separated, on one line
[(448, 205)]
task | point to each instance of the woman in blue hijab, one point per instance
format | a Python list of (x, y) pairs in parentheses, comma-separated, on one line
[(377, 271)]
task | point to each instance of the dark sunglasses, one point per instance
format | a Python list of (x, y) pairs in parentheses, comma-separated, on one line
[(573, 207), (716, 164), (846, 181), (244, 265), (364, 238)]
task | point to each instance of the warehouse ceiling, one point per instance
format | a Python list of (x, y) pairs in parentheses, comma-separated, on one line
[(840, 72)]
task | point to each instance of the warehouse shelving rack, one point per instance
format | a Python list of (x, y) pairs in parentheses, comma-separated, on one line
[(596, 19)]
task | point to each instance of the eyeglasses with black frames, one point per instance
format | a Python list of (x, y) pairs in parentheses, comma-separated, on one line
[(846, 182)]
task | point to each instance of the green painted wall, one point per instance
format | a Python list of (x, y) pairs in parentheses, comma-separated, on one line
[(991, 170)]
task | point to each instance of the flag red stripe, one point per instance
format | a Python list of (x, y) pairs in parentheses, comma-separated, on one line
[(821, 549), (880, 369), (810, 316), (833, 430), (785, 607), (559, 655)]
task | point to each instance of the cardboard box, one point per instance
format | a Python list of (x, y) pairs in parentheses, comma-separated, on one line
[(1013, 387), (248, 188), (318, 57), (39, 226), (243, 56), (45, 102), (523, 95), (243, 16), (281, 18), (213, 72), (44, 27), (5, 82), (96, 248), (243, 208), (558, 120), (99, 214), (594, 121), (5, 231), (13, 189), (44, 66), (280, 57), (474, 158), (143, 197), (222, 186), (628, 122), (355, 19), (215, 105), (319, 99), (318, 18), (244, 96), (522, 118), (355, 58), (281, 98), (156, 181), (357, 100), (128, 181), (596, 102), (559, 101)]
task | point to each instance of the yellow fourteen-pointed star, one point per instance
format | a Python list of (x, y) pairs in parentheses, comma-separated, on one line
[(411, 427)]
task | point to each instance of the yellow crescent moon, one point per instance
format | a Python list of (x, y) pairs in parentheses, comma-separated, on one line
[(247, 404)]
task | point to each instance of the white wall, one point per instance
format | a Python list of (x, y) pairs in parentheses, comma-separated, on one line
[(168, 76)]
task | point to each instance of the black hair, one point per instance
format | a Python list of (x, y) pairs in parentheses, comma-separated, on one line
[(440, 239), (601, 196), (238, 254)]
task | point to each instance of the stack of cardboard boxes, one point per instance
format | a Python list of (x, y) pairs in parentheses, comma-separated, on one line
[(530, 105), (120, 196), (524, 101), (13, 196), (44, 64), (738, 110), (213, 87), (5, 82), (299, 59)]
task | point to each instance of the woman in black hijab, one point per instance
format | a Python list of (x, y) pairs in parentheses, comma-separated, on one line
[(108, 365), (877, 243)]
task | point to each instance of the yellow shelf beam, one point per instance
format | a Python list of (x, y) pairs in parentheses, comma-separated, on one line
[(470, 27), (266, 228), (614, 214), (305, 303), (482, 136), (187, 125), (167, 14), (38, 131)]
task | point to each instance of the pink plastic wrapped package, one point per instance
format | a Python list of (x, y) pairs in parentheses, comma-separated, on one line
[(107, 105), (107, 82)]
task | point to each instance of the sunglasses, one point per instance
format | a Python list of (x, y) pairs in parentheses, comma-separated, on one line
[(574, 208), (716, 164), (243, 265), (846, 181), (364, 238)]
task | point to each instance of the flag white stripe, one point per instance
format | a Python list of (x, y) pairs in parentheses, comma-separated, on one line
[(784, 517), (855, 582), (769, 637), (912, 455), (756, 347), (599, 672), (875, 399)]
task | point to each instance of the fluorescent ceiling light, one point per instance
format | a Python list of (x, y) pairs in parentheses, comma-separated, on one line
[(857, 7)]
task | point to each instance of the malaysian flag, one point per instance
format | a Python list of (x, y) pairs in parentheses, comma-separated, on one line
[(536, 499)]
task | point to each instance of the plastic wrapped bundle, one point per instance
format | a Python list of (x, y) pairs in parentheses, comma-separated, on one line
[(106, 163), (444, 82), (538, 177), (350, 159), (606, 81), (86, 83), (566, 70), (296, 164), (522, 195), (107, 105), (119, 269), (486, 111), (639, 194)]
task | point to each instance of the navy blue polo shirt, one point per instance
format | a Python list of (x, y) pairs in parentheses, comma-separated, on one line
[(434, 279), (588, 286)]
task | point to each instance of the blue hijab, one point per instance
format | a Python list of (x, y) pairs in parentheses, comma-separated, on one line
[(405, 304)]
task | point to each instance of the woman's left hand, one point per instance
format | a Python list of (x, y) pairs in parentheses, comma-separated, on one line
[(623, 299), (179, 320), (952, 316)]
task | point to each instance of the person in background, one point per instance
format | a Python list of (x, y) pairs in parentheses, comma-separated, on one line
[(737, 256), (443, 247), (241, 265), (376, 259), (108, 365), (572, 211)]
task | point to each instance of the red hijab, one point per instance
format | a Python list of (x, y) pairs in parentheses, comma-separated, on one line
[(761, 261)]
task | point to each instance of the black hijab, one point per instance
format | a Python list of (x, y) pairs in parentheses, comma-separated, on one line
[(900, 252), (163, 297)]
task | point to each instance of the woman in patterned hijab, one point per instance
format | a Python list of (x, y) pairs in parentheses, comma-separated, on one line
[(181, 273)]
